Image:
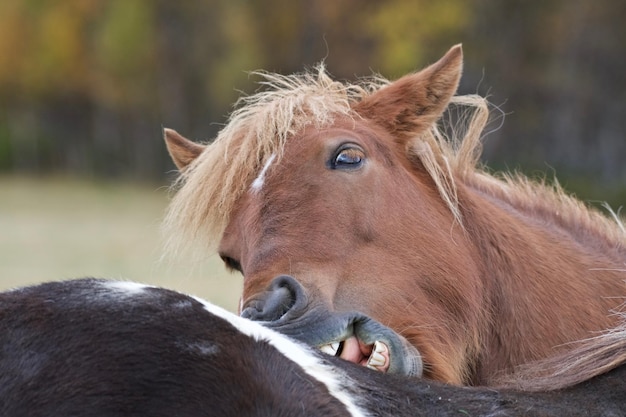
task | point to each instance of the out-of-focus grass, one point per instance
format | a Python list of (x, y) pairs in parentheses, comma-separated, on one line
[(57, 229)]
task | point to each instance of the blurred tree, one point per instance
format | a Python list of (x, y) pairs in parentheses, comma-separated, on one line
[(124, 54), (85, 85), (558, 68), (407, 35)]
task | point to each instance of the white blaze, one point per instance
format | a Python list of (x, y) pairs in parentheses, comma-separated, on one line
[(260, 180)]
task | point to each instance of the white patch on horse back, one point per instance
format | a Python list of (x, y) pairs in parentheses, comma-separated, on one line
[(127, 287), (204, 348), (339, 385), (258, 182), (183, 304)]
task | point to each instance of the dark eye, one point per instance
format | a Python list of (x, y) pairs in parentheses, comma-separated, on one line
[(231, 264), (348, 157)]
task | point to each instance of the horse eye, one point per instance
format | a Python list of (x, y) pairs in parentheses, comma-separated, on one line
[(348, 158)]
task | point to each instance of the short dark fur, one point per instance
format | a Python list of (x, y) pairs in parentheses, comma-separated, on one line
[(73, 349), (391, 395), (78, 348)]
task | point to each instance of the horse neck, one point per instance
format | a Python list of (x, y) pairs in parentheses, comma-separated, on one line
[(547, 283)]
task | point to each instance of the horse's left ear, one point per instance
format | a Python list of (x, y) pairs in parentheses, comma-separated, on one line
[(414, 102), (182, 150)]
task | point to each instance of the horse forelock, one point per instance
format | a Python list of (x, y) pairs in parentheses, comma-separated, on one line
[(259, 128)]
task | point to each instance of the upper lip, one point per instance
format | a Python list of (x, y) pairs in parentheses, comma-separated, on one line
[(352, 336)]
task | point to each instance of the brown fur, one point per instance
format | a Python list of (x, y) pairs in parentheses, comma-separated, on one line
[(482, 274), (582, 360)]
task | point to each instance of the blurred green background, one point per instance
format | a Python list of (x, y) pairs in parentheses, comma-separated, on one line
[(86, 85), (61, 228)]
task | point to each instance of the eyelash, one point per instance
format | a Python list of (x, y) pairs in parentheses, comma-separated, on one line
[(232, 264)]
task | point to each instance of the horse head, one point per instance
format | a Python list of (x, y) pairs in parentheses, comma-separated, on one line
[(342, 207), (323, 239)]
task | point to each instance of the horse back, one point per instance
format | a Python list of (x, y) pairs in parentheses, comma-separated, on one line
[(94, 348)]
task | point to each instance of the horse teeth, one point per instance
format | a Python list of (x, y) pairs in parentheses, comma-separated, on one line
[(380, 347), (330, 349), (327, 349), (377, 359)]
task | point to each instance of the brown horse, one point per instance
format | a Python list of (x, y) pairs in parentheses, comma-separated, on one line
[(342, 201)]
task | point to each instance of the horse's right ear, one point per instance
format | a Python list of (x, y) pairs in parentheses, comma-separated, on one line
[(412, 104), (182, 150)]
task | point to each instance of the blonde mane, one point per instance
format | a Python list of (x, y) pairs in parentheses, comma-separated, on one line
[(261, 124)]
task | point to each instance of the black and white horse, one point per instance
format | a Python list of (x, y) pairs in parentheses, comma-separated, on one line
[(103, 348)]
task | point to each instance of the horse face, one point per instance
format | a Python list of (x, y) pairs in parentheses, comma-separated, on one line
[(346, 223), (345, 242)]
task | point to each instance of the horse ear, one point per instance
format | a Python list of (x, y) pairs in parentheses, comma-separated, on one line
[(182, 150), (414, 102)]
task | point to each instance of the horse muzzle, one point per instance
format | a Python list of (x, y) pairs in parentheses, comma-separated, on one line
[(353, 336)]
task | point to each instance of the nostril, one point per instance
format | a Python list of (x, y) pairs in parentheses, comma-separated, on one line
[(271, 306), (252, 310), (278, 304), (276, 301)]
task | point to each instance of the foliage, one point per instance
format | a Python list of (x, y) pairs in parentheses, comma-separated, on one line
[(407, 33), (85, 85)]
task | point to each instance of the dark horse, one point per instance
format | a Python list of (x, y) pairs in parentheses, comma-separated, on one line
[(337, 201), (103, 348)]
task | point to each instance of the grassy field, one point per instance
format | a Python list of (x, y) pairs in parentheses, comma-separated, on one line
[(57, 229)]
